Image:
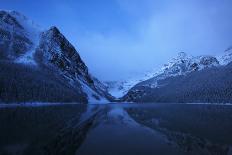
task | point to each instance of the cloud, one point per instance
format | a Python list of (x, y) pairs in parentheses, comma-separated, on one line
[(157, 36)]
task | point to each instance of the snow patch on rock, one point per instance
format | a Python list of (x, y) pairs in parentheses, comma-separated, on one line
[(93, 97)]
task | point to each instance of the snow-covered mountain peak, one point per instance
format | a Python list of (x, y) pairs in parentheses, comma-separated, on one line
[(180, 65), (229, 49), (26, 22), (184, 63), (18, 15), (226, 58), (23, 34), (53, 31), (182, 56), (19, 21), (206, 60), (7, 20)]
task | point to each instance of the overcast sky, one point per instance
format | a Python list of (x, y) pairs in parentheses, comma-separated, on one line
[(120, 38)]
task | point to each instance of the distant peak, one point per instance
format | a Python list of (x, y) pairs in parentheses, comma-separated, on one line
[(54, 30), (228, 49), (16, 18), (15, 14), (6, 11), (182, 55), (180, 58), (7, 18)]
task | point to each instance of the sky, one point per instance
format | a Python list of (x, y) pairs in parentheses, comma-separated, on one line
[(119, 39)]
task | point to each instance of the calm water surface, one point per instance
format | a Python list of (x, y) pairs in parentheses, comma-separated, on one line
[(116, 129)]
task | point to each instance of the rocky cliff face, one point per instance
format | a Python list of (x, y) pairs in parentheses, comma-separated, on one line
[(56, 52), (23, 42)]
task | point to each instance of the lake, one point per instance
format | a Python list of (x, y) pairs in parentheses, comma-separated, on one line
[(116, 129)]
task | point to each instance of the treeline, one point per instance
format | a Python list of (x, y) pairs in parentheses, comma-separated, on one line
[(212, 85), (21, 83)]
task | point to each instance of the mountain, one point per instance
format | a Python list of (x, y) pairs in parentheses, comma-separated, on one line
[(186, 79), (226, 57), (48, 58), (19, 36), (181, 65)]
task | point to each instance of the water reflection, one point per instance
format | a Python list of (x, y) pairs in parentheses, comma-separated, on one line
[(116, 129)]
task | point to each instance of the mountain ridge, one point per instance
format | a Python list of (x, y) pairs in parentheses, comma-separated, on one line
[(23, 43), (179, 65), (182, 74)]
